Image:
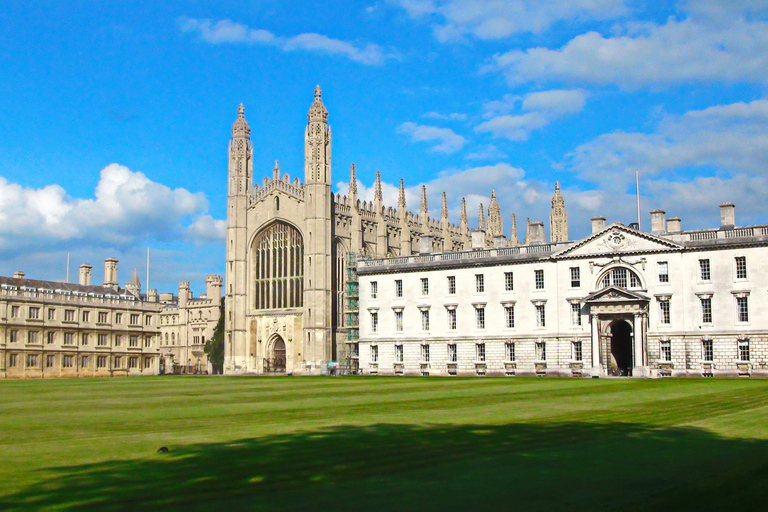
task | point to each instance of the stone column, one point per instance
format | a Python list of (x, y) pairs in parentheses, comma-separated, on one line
[(639, 362), (595, 346)]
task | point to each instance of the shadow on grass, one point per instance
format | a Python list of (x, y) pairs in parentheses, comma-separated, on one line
[(384, 467)]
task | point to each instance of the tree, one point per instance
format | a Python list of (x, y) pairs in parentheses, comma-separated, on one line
[(214, 347)]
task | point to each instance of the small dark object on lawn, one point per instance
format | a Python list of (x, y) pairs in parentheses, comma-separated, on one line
[(163, 449)]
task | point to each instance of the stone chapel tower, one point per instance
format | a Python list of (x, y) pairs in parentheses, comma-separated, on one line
[(240, 176), (558, 218), (318, 346)]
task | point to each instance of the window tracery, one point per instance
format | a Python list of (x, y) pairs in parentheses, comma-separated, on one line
[(278, 267)]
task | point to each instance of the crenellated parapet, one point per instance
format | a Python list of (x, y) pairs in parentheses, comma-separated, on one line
[(277, 183)]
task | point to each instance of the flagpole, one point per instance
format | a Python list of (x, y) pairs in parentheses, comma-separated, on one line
[(637, 188)]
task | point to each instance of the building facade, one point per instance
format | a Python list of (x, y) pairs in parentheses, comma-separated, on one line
[(288, 246), (618, 302), (52, 329)]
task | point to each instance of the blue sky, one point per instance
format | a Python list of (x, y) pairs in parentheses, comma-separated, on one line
[(115, 117)]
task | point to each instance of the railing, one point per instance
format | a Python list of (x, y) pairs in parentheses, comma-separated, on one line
[(464, 255)]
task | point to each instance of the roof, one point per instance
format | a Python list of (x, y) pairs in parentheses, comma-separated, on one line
[(63, 287)]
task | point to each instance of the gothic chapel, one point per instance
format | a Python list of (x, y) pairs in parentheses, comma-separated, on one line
[(287, 244)]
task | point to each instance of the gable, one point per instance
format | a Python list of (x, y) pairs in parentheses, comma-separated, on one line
[(614, 294), (618, 239)]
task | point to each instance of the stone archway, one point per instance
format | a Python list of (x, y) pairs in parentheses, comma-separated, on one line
[(275, 361), (620, 356)]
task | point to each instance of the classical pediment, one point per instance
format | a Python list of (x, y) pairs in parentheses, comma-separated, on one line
[(618, 239), (614, 294)]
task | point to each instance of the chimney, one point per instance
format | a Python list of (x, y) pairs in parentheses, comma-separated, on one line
[(19, 274), (213, 288), (538, 236), (598, 224), (85, 274), (500, 241), (478, 239), (674, 225), (152, 295), (658, 222), (425, 244), (183, 293), (727, 216), (166, 298), (110, 272)]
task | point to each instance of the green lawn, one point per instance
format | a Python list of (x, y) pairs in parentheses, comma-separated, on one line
[(383, 444)]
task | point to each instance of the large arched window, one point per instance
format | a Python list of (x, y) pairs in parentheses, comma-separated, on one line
[(620, 277), (278, 267)]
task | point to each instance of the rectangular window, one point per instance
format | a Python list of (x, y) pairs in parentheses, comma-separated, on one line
[(398, 353), (452, 355), (479, 283), (704, 271), (707, 351), (541, 351), (575, 314), (374, 321), (14, 336), (575, 277), (706, 310), (50, 361), (51, 314), (541, 320), (665, 350), (32, 360), (133, 341), (13, 360), (101, 362), (84, 362), (69, 315), (509, 316), (118, 362), (148, 341), (424, 319), (451, 319), (374, 354), (15, 311), (33, 337), (147, 363), (741, 267), (480, 318), (509, 281), (134, 319), (374, 289), (424, 286), (86, 316), (425, 353), (451, 285), (118, 318), (664, 315), (101, 340), (67, 361), (51, 337), (742, 309), (34, 313), (118, 340), (663, 272), (103, 317), (85, 338), (743, 350), (577, 353), (133, 362), (398, 287), (509, 351), (69, 338), (620, 277), (399, 321), (480, 351), (539, 278), (148, 320)]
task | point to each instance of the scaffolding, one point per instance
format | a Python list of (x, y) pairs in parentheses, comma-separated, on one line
[(351, 315)]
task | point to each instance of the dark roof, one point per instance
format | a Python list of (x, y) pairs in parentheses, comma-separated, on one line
[(58, 286)]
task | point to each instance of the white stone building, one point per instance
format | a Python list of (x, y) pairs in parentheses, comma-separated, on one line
[(618, 302)]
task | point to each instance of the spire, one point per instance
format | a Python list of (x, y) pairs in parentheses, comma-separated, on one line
[(377, 195), (481, 218), (317, 112), (424, 198), (135, 279), (276, 170), (513, 233), (557, 199), (495, 224), (352, 182), (464, 220), (527, 238), (240, 128), (401, 196), (558, 217), (444, 208)]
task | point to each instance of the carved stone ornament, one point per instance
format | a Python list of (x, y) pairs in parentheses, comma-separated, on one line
[(616, 240)]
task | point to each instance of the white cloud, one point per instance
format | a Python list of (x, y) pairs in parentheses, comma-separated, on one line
[(541, 108), (488, 152), (448, 141), (497, 19), (453, 116), (227, 31), (127, 208), (717, 42)]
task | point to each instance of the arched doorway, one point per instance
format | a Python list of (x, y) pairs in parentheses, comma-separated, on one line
[(275, 361), (621, 349)]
